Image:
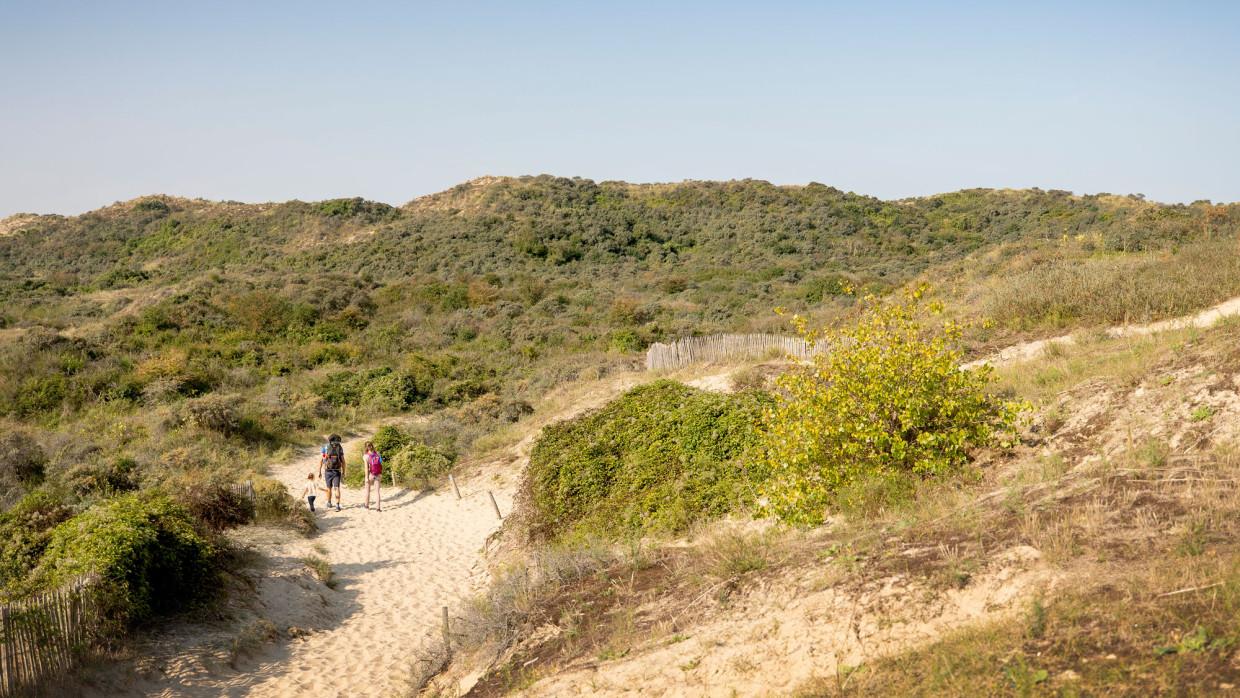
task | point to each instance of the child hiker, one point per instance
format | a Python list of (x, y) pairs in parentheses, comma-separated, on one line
[(310, 490), (374, 473)]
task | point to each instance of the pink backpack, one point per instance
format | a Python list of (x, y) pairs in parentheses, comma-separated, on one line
[(374, 463)]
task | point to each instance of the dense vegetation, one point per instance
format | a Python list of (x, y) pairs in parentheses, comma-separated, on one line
[(173, 345), (887, 405), (657, 459)]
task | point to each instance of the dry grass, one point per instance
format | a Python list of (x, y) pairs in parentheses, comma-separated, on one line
[(729, 553), (1075, 288), (1170, 629), (322, 570), (1124, 361)]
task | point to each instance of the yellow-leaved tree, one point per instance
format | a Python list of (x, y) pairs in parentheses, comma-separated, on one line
[(886, 400)]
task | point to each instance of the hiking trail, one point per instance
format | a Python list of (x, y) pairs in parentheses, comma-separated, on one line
[(395, 570)]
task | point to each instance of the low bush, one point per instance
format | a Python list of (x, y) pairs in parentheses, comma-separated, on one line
[(492, 408), (420, 463), (273, 504), (25, 531), (392, 392), (658, 458), (102, 479), (389, 439), (216, 413), (21, 462), (147, 551), (888, 403), (218, 506)]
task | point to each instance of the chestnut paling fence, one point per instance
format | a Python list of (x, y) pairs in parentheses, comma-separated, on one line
[(725, 347), (41, 636)]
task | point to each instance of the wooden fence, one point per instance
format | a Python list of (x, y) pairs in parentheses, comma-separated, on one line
[(245, 489), (725, 347), (41, 636)]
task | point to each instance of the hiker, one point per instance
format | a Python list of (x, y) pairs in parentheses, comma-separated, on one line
[(331, 465), (374, 473), (310, 491)]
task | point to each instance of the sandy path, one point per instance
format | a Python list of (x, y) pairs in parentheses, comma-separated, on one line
[(395, 569), (1030, 350)]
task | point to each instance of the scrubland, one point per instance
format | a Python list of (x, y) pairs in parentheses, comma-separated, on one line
[(159, 351)]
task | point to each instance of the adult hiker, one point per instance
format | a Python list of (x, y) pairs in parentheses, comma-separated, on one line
[(331, 467), (374, 473)]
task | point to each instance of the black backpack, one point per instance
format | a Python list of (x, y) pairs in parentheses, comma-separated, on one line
[(334, 457)]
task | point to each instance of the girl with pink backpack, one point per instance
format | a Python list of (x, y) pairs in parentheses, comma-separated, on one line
[(374, 472)]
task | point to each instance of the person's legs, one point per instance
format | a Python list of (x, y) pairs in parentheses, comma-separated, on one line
[(378, 493), (310, 500), (333, 487), (368, 480)]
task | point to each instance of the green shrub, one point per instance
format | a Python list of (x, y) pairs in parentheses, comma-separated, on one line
[(151, 205), (888, 401), (389, 439), (625, 342), (25, 531), (392, 392), (39, 394), (419, 462), (658, 458), (341, 388), (381, 389), (146, 550), (105, 479), (355, 470)]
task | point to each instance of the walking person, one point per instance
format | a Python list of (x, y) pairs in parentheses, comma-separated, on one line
[(331, 466), (374, 474), (311, 490)]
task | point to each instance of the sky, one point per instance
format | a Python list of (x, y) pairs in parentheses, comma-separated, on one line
[(270, 101)]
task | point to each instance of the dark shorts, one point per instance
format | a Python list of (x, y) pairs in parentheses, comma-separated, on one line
[(332, 478)]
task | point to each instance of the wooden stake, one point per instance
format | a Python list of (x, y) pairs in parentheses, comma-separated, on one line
[(447, 636), (454, 487), (496, 506)]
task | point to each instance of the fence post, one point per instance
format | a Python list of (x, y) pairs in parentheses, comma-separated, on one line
[(447, 635), (9, 665), (454, 487), (494, 505)]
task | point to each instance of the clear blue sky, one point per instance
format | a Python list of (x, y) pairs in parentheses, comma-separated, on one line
[(263, 101)]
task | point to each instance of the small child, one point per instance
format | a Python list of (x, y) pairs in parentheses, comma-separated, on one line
[(310, 491)]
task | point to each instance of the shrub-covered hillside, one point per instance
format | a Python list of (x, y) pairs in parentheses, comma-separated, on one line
[(457, 293), (172, 344)]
